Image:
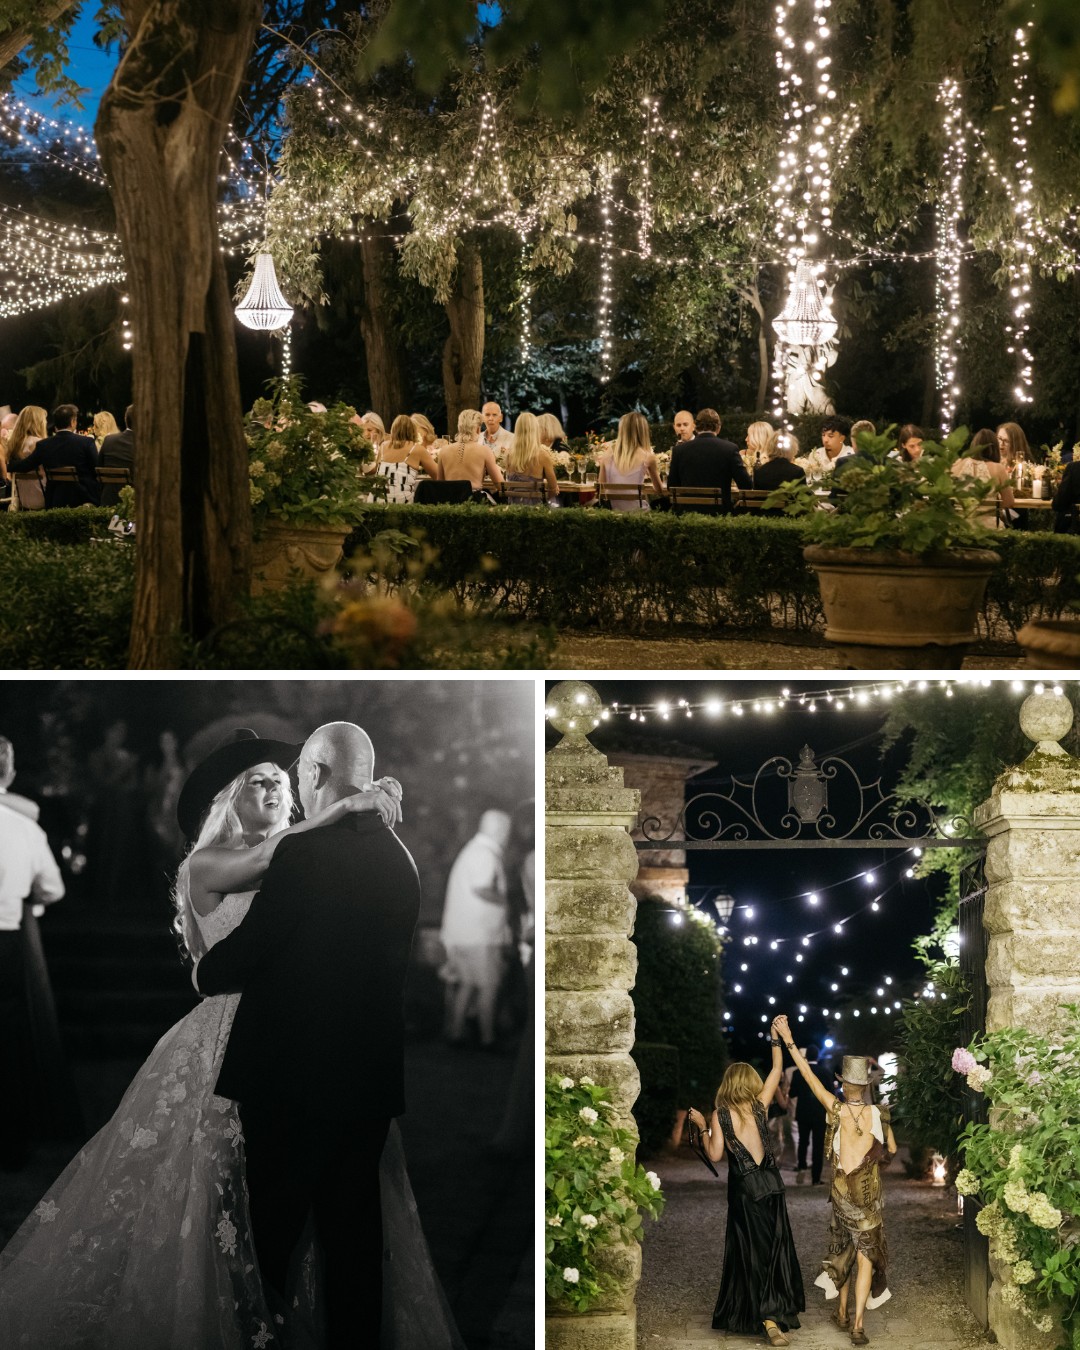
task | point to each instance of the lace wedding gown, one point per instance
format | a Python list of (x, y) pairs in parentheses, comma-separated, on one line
[(144, 1243)]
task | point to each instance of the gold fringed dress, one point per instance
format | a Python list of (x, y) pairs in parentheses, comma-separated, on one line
[(857, 1223)]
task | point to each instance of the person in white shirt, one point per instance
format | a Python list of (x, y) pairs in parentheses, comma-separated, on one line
[(494, 433), (834, 447), (28, 871), (476, 929)]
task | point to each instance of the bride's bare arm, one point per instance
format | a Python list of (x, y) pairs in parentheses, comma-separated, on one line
[(217, 871), (712, 1136), (824, 1096), (768, 1088)]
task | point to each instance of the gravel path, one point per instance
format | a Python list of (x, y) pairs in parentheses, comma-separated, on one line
[(683, 1256)]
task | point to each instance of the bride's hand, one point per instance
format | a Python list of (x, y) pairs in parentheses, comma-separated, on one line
[(696, 1118), (384, 796)]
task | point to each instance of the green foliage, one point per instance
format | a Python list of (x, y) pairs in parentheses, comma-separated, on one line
[(1022, 1165), (594, 1192), (929, 1102), (893, 505), (305, 467), (679, 1000)]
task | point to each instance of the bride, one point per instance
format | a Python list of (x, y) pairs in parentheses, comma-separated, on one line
[(144, 1241)]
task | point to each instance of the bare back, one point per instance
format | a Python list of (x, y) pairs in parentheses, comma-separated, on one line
[(469, 461), (746, 1131)]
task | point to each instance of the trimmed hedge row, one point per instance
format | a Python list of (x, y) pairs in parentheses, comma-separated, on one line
[(626, 572)]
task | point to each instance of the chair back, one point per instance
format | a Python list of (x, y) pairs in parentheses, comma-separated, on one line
[(112, 476), (524, 494), (63, 473), (432, 492), (710, 499), (607, 494), (27, 491), (750, 499)]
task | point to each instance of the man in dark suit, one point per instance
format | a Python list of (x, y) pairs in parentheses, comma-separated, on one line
[(316, 1053), (61, 450), (810, 1118), (118, 452), (707, 461)]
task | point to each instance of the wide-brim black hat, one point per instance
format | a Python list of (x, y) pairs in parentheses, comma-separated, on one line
[(243, 750)]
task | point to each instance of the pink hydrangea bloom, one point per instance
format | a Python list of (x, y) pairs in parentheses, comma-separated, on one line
[(963, 1061)]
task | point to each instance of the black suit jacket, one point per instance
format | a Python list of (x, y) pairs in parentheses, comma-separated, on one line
[(321, 960), (707, 461), (807, 1107), (117, 452), (60, 450), (776, 471)]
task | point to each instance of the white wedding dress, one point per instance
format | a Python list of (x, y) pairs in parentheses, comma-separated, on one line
[(144, 1243)]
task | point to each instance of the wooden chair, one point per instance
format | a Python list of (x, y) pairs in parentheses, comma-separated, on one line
[(750, 499), (607, 494), (524, 494), (63, 473), (29, 488), (110, 476), (704, 499)]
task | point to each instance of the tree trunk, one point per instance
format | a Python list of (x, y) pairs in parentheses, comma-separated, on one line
[(752, 294), (929, 396), (160, 130), (14, 39), (385, 365), (463, 353)]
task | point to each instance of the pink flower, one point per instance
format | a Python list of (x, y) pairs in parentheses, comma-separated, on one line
[(963, 1061)]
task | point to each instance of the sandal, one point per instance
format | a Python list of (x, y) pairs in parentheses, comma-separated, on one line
[(859, 1336), (775, 1335), (844, 1323)]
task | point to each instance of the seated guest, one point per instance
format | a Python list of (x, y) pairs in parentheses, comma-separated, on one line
[(1013, 444), (982, 460), (684, 426), (104, 424), (65, 449), (118, 452), (778, 467), (759, 437), (825, 457), (428, 439), (708, 461), (373, 427), (494, 434), (529, 461), (858, 429), (467, 457), (552, 434), (30, 427), (1066, 499), (909, 443), (628, 462), (401, 460)]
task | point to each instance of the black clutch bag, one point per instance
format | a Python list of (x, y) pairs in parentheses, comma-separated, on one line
[(762, 1182), (696, 1145)]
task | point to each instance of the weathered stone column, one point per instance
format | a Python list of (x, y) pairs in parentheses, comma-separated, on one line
[(590, 962), (1032, 825), (662, 783)]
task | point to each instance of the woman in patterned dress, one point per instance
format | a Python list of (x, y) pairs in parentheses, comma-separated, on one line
[(402, 459)]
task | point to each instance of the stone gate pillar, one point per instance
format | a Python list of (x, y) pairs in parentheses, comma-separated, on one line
[(590, 962), (1032, 825)]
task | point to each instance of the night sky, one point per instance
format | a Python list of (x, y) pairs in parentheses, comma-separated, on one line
[(772, 887)]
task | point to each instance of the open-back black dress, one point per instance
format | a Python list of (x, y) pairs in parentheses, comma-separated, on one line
[(761, 1270)]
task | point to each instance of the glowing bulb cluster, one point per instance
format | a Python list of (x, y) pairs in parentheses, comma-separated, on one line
[(950, 250), (605, 179), (1021, 118)]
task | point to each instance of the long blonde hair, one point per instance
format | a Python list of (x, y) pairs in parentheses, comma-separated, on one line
[(761, 439), (469, 423), (525, 451), (221, 828), (32, 421), (739, 1087), (104, 425), (633, 442), (551, 428), (402, 433), (424, 427)]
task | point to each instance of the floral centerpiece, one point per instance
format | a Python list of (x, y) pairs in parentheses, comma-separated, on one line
[(304, 466), (595, 1191), (1022, 1166)]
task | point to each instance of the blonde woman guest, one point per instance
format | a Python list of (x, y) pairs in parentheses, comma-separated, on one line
[(104, 425), (760, 441), (1013, 444), (981, 460), (466, 458), (431, 442), (859, 1141), (31, 427), (629, 461), (529, 461), (402, 459), (373, 427), (761, 1287), (552, 434)]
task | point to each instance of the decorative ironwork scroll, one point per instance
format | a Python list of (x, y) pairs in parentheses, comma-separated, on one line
[(828, 805)]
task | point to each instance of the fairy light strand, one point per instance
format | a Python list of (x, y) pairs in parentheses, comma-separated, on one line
[(1021, 118), (950, 251)]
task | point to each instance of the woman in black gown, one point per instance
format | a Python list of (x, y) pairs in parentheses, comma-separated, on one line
[(762, 1284)]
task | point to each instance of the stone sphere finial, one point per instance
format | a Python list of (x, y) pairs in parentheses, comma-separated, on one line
[(1045, 718), (573, 707)]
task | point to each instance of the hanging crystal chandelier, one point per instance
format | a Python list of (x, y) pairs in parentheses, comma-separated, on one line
[(264, 307), (806, 320)]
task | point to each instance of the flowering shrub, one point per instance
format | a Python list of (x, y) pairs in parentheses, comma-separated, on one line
[(1022, 1165), (305, 466), (595, 1190)]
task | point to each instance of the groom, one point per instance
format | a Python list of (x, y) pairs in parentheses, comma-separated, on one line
[(316, 1053)]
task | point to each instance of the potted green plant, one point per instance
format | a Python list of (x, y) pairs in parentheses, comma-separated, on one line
[(307, 487), (899, 553)]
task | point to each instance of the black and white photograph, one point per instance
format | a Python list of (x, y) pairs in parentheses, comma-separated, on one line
[(266, 1014)]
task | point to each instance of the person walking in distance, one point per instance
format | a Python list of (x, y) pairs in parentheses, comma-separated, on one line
[(810, 1118)]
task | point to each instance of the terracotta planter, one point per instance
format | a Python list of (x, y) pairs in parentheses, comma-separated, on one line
[(892, 599), (1051, 644), (284, 551)]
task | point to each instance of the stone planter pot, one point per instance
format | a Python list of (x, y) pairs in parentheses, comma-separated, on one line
[(892, 599), (284, 550), (1051, 644)]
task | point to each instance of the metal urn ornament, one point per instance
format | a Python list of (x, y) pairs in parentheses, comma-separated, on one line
[(806, 320), (264, 308)]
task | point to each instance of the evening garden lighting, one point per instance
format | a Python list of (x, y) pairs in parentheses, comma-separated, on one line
[(949, 210), (264, 308), (1021, 117)]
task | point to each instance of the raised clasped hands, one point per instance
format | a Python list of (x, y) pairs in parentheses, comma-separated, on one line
[(384, 796), (780, 1028)]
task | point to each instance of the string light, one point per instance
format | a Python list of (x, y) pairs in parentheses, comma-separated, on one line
[(605, 178), (950, 250), (1021, 118)]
